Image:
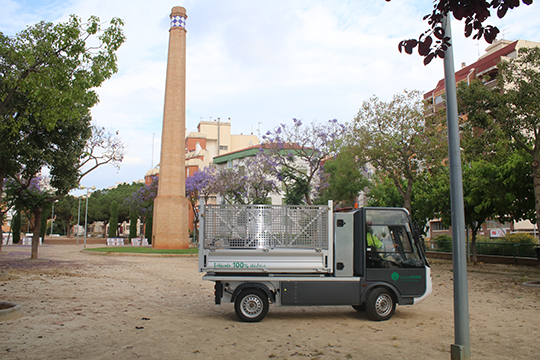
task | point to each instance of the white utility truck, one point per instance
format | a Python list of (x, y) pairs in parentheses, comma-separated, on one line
[(369, 258)]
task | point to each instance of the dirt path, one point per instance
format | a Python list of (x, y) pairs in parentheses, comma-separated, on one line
[(82, 306)]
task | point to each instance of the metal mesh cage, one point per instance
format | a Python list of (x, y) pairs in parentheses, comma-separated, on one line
[(266, 226)]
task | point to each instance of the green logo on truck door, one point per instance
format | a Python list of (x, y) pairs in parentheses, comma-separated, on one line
[(395, 276)]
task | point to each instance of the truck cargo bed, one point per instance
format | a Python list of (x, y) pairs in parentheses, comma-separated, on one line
[(266, 238)]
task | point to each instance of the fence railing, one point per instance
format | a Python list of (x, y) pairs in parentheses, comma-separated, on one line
[(488, 248)]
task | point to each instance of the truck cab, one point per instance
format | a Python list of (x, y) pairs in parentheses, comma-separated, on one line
[(367, 258)]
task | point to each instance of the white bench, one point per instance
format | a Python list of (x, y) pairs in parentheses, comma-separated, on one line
[(27, 240), (139, 242), (7, 239), (115, 241)]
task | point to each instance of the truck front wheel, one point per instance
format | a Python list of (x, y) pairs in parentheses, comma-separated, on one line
[(381, 305), (251, 305)]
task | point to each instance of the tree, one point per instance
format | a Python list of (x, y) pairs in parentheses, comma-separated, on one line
[(141, 201), (99, 203), (492, 189), (433, 42), (512, 108), (397, 139), (199, 185), (299, 151), (103, 147), (48, 74), (296, 185), (345, 179), (16, 226), (113, 220), (31, 194), (384, 193), (245, 183)]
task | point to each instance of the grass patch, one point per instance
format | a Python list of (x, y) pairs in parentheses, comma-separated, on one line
[(143, 250)]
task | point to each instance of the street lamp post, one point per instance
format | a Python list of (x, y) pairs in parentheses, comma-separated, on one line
[(91, 188), (78, 220)]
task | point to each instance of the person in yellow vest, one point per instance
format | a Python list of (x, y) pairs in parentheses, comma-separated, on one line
[(372, 240)]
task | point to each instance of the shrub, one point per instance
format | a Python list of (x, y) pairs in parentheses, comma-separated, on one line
[(520, 238), (518, 244), (444, 243), (482, 239)]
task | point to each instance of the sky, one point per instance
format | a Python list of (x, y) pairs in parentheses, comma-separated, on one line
[(259, 63)]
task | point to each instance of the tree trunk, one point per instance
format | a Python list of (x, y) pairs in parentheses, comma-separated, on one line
[(473, 244), (37, 228), (69, 231), (105, 223)]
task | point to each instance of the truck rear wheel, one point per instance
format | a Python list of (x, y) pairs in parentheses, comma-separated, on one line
[(251, 305), (381, 305)]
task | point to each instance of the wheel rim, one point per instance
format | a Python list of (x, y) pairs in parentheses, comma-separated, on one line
[(251, 306), (383, 305)]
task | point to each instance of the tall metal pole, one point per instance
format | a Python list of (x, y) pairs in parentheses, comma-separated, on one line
[(86, 219), (461, 350), (78, 220)]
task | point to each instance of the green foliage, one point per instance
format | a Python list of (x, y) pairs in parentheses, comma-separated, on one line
[(383, 193), (520, 238), (345, 179), (47, 209), (482, 238), (444, 243), (113, 220), (133, 226), (513, 110), (99, 203), (297, 187), (47, 68), (148, 228), (49, 73), (16, 227), (395, 138)]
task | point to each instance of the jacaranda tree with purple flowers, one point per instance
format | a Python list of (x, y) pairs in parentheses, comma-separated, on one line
[(247, 182), (295, 153), (200, 185), (141, 201)]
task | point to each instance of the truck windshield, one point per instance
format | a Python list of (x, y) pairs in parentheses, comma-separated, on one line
[(389, 240)]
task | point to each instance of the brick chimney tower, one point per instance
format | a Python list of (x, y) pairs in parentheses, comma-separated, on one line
[(171, 209)]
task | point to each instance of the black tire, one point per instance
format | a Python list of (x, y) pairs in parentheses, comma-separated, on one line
[(359, 308), (251, 305), (380, 305)]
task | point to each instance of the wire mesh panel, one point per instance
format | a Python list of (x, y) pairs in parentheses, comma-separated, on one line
[(265, 226)]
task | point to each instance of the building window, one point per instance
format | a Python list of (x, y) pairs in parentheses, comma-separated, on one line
[(229, 165), (221, 147), (438, 226), (439, 99)]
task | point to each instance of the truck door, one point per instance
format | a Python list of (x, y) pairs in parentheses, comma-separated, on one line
[(392, 255)]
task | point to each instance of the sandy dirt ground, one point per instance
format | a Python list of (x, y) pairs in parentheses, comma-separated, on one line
[(82, 306)]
